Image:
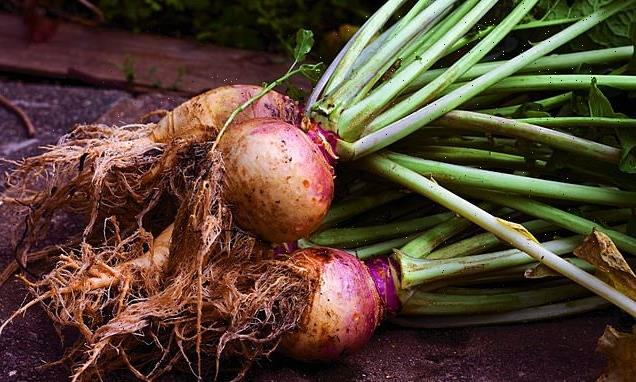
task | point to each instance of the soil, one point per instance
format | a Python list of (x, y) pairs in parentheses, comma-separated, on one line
[(559, 350)]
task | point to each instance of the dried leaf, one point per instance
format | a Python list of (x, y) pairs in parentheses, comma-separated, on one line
[(599, 250), (519, 228), (540, 270), (620, 350)]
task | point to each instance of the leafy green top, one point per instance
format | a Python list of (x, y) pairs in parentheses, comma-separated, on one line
[(611, 33)]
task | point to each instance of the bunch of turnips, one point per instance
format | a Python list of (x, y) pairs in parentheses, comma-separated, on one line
[(244, 222)]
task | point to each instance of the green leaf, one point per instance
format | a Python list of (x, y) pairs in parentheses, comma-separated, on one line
[(614, 32), (600, 106), (627, 137), (530, 110), (295, 93), (304, 42), (631, 65), (312, 71)]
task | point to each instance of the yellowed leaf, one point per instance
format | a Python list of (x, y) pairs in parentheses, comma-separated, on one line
[(620, 350), (540, 270), (519, 228), (599, 250)]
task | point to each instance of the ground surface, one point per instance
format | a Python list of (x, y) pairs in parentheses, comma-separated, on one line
[(551, 351)]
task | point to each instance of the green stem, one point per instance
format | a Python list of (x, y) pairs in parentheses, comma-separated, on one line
[(382, 248), (555, 82), (422, 271), (371, 70), (410, 207), (530, 25), (515, 274), (477, 157), (426, 303), (502, 145), (407, 125), (410, 179), (372, 104), (328, 73), (467, 177), (483, 242), (556, 62), (529, 129), (352, 237), (564, 122), (544, 312), (486, 241), (412, 52), (426, 242), (359, 42), (546, 104), (353, 119), (554, 215), (357, 205)]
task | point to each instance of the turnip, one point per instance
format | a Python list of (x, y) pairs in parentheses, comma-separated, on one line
[(344, 308), (278, 182)]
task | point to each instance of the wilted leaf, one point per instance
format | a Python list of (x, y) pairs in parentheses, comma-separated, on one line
[(620, 350), (599, 250), (519, 228), (539, 271)]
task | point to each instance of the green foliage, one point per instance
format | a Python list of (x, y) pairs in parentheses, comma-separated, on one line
[(613, 32), (251, 24), (600, 106), (304, 43)]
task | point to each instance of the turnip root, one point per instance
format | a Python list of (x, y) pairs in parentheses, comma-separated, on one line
[(201, 117), (344, 311), (278, 182)]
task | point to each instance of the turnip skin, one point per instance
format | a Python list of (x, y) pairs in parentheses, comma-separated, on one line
[(277, 181), (386, 278), (201, 117), (345, 309)]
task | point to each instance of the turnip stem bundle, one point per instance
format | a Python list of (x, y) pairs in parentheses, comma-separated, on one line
[(410, 179), (466, 247), (524, 315)]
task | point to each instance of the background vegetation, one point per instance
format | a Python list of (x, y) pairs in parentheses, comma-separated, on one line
[(252, 24)]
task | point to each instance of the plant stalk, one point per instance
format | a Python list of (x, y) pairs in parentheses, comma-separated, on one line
[(504, 230)]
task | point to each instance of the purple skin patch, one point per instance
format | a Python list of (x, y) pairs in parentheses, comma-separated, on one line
[(384, 275), (326, 142), (282, 250)]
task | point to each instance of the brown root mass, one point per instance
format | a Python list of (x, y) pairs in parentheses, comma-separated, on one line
[(95, 171), (220, 296)]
